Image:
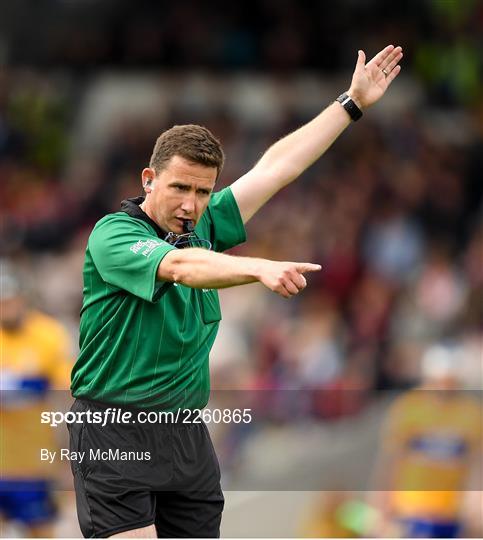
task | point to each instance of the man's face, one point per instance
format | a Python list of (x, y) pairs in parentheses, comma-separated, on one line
[(180, 192), (12, 311)]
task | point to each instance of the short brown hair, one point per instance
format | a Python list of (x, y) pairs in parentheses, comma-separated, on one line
[(191, 142)]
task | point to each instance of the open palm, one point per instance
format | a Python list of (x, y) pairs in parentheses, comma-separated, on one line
[(371, 80)]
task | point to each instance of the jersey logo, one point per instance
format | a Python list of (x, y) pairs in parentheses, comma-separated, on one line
[(147, 245), (440, 448)]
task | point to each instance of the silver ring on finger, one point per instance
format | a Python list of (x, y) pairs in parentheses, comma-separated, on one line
[(385, 73)]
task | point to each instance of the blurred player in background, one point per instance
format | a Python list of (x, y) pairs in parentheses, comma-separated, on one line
[(35, 358), (325, 517), (431, 454)]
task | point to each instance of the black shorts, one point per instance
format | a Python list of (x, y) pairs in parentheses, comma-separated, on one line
[(134, 475)]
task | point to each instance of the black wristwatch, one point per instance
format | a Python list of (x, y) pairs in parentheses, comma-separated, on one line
[(352, 109)]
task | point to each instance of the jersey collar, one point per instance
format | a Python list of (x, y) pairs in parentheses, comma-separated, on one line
[(132, 208)]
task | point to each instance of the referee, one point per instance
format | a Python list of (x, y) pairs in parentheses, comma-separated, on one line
[(151, 313)]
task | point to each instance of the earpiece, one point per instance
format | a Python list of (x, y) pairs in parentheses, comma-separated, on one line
[(148, 186)]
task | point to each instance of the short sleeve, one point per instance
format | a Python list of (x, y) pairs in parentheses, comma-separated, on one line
[(225, 223), (126, 253)]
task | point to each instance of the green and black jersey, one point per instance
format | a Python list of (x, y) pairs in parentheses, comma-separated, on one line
[(143, 342)]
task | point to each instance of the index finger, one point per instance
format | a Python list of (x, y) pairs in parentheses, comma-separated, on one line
[(308, 267)]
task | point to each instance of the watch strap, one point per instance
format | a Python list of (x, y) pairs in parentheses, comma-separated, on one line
[(352, 109)]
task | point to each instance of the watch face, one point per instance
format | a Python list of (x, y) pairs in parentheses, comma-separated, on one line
[(352, 109)]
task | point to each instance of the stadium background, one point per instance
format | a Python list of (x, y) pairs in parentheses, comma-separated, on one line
[(393, 212)]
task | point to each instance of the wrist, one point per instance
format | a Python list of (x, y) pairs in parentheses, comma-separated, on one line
[(249, 269), (355, 98), (351, 107), (254, 270)]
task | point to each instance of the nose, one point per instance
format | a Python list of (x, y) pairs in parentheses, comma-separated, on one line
[(189, 204)]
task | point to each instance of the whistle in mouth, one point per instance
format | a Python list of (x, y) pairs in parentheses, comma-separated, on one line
[(188, 226)]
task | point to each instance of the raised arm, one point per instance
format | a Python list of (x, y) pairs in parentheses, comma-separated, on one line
[(203, 269), (289, 157)]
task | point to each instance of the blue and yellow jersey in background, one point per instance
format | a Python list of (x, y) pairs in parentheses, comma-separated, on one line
[(434, 437), (34, 359)]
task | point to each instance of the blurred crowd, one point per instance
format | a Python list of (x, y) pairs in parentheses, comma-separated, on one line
[(393, 213), (442, 37)]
